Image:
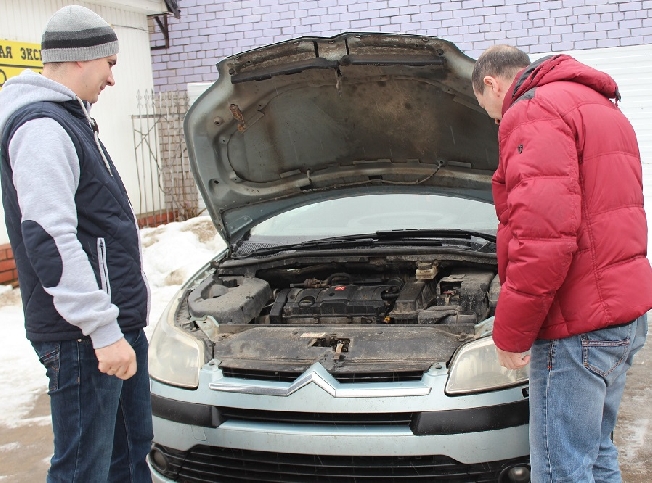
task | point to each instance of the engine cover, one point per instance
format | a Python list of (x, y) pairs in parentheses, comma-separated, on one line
[(336, 304)]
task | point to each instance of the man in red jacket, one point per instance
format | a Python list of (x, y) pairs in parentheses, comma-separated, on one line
[(572, 246)]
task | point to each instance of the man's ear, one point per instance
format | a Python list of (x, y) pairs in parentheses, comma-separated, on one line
[(491, 83)]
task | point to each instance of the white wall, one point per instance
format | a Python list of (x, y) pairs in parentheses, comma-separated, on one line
[(24, 20)]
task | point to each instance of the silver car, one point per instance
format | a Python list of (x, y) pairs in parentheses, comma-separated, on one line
[(345, 333)]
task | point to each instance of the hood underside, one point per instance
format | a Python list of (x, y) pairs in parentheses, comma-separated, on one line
[(317, 118)]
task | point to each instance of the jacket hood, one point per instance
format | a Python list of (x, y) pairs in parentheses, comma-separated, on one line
[(560, 67), (29, 87), (318, 118)]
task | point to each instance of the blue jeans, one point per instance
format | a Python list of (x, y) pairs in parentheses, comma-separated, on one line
[(102, 425), (576, 385)]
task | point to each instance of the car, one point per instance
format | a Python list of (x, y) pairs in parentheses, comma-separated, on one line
[(344, 335)]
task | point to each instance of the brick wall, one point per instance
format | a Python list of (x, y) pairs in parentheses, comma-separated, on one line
[(8, 273), (210, 30)]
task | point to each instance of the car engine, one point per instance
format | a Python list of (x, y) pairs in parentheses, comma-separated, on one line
[(429, 295)]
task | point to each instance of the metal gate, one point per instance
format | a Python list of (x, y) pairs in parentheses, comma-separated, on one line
[(167, 189)]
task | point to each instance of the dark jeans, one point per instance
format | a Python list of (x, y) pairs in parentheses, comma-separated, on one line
[(102, 425)]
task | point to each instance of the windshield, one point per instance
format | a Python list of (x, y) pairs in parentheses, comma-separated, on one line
[(372, 213)]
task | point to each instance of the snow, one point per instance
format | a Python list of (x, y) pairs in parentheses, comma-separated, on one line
[(171, 254)]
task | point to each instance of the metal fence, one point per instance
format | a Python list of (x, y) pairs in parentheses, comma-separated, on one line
[(167, 189)]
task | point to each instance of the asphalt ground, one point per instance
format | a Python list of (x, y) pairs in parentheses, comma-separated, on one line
[(25, 449)]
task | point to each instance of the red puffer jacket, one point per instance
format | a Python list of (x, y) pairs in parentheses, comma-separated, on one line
[(572, 238)]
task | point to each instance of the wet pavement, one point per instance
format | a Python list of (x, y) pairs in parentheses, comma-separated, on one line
[(26, 448), (633, 434)]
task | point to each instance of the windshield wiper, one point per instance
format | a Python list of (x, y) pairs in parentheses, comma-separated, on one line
[(427, 237), (435, 233), (347, 241)]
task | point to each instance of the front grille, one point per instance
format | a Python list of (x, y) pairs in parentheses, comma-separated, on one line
[(346, 377), (252, 374), (379, 377), (203, 464), (333, 419)]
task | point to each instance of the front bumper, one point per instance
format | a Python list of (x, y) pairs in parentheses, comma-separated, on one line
[(211, 464), (314, 434)]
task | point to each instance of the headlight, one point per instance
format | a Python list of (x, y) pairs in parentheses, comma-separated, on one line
[(174, 356), (475, 368)]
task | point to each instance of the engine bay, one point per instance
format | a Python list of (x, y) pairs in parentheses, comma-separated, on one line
[(349, 293), (375, 317)]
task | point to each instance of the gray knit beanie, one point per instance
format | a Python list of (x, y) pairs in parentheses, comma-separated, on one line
[(76, 33)]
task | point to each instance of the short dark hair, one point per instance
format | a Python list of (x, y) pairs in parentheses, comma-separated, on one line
[(498, 61)]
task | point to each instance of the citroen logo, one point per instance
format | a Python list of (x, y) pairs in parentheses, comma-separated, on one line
[(316, 374)]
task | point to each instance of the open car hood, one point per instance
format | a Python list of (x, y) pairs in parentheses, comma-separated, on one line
[(316, 118)]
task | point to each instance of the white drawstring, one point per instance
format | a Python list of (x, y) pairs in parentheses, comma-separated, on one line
[(93, 124)]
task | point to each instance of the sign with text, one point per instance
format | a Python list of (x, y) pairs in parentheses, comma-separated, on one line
[(17, 56)]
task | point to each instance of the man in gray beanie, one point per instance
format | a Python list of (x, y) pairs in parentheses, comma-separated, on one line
[(76, 245)]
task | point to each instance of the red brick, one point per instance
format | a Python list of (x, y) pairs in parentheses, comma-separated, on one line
[(155, 219), (7, 277), (6, 265), (5, 252)]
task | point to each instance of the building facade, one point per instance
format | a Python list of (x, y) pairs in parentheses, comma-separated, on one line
[(209, 30)]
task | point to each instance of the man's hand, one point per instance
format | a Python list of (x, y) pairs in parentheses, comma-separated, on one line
[(117, 359), (512, 360)]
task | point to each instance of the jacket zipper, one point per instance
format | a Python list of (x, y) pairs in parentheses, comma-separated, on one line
[(104, 269)]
